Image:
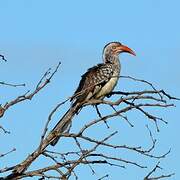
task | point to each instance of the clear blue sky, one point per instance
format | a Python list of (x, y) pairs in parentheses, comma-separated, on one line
[(35, 35)]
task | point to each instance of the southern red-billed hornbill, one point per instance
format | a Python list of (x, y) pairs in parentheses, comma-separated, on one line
[(96, 83)]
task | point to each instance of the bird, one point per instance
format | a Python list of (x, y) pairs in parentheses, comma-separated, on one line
[(96, 83)]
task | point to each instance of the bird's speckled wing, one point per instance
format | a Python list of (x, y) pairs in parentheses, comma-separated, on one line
[(92, 81)]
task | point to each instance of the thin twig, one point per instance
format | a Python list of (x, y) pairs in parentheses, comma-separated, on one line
[(4, 130), (3, 58), (12, 85), (28, 95), (49, 119), (2, 155), (158, 177)]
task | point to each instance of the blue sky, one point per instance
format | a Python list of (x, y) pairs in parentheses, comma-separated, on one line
[(35, 35)]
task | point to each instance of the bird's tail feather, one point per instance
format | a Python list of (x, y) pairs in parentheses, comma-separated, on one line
[(64, 122)]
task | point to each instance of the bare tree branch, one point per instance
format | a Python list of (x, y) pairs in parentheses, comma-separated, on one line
[(105, 176), (157, 177), (12, 85), (2, 57), (64, 163), (2, 155), (4, 130), (28, 96)]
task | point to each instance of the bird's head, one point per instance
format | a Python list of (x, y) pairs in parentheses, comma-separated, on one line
[(113, 49)]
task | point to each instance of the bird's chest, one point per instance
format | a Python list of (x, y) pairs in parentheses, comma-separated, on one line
[(108, 87)]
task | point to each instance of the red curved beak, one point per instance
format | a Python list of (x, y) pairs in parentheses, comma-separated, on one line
[(123, 48)]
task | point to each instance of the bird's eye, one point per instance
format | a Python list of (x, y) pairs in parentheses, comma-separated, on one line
[(113, 47)]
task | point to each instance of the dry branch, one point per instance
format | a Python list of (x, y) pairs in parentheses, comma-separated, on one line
[(29, 95), (157, 177), (65, 163), (2, 57), (10, 84), (2, 155)]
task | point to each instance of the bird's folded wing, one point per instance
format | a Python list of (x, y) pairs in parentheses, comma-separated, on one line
[(92, 82)]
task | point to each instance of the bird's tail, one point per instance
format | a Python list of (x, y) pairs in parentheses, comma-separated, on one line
[(64, 122)]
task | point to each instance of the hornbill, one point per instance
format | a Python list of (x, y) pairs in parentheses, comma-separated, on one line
[(96, 83)]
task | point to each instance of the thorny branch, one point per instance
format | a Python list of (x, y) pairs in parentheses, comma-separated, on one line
[(64, 163)]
